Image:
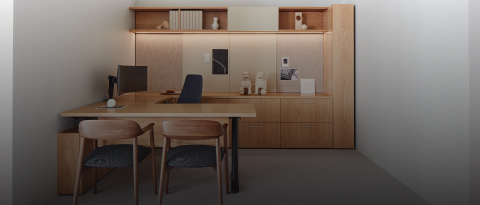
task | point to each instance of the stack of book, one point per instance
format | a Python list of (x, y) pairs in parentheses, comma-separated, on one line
[(187, 20)]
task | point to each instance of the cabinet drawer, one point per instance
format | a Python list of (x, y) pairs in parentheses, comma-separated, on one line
[(268, 110), (259, 135), (307, 110), (214, 100), (307, 135)]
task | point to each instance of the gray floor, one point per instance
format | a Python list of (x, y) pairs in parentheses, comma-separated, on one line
[(268, 176)]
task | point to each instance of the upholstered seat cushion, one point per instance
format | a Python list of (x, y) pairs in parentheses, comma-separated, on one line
[(193, 156), (115, 156)]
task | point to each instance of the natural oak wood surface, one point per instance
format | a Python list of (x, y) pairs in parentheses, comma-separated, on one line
[(176, 8), (307, 135), (237, 95), (343, 75), (150, 20), (314, 20), (307, 110), (215, 100), (302, 9), (223, 31), (208, 20), (268, 110), (259, 135)]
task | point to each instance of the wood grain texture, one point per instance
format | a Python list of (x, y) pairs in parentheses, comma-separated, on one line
[(222, 31), (237, 95), (208, 20), (343, 75), (253, 53), (307, 110), (328, 63), (207, 100), (268, 110), (194, 47), (302, 9), (162, 53), (314, 20), (176, 8), (306, 135), (68, 149), (259, 135), (150, 20), (305, 52), (157, 130)]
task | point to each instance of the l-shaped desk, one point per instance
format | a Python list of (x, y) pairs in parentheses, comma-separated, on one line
[(145, 109)]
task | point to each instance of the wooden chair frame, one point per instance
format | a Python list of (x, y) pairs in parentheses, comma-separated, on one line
[(94, 129), (182, 130)]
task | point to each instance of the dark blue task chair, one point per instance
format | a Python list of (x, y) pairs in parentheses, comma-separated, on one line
[(192, 89)]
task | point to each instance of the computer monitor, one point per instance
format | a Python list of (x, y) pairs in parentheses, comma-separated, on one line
[(129, 79)]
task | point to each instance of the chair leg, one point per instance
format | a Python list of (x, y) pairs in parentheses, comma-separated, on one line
[(95, 180), (79, 171), (219, 171), (135, 169), (162, 171), (154, 166)]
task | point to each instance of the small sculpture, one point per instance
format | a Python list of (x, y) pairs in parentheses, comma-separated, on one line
[(245, 84), (260, 84), (215, 23), (164, 26)]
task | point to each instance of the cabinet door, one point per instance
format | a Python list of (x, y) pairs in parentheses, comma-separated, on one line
[(307, 110), (259, 135), (307, 135), (214, 100), (268, 110)]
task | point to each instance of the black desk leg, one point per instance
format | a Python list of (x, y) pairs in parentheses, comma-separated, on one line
[(234, 176)]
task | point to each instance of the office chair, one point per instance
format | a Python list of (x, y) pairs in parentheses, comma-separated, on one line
[(114, 156), (192, 89), (194, 156)]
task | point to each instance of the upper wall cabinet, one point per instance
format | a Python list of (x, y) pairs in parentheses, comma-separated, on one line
[(253, 18)]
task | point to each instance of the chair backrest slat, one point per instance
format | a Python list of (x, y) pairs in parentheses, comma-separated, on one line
[(109, 129), (192, 129)]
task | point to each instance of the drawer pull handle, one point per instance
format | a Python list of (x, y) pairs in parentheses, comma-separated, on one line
[(254, 102), (307, 126), (307, 102), (255, 126)]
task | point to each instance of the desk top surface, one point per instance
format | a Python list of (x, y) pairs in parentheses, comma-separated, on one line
[(151, 106)]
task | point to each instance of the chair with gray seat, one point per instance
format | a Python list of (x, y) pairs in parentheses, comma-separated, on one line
[(194, 156), (192, 89), (114, 156)]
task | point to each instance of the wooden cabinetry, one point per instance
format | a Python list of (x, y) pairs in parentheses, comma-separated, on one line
[(68, 149), (268, 110), (259, 135), (306, 135), (307, 110)]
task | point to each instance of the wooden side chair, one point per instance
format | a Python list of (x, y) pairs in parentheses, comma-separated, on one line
[(194, 156), (114, 156)]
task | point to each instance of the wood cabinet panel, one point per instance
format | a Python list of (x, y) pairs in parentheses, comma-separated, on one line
[(208, 100), (306, 135), (307, 110), (259, 135), (268, 110)]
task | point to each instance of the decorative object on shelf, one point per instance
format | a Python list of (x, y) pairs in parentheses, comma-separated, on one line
[(298, 20), (304, 26), (307, 85), (164, 26), (245, 84), (285, 62), (260, 84), (220, 61), (289, 74), (215, 23)]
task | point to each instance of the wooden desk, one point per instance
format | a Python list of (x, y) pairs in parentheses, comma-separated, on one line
[(148, 108)]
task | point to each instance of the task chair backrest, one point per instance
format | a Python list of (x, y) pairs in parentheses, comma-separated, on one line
[(192, 129), (192, 89), (109, 129)]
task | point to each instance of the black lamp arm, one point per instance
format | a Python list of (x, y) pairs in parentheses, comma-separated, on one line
[(111, 81)]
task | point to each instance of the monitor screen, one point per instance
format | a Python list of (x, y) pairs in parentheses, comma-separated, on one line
[(131, 79)]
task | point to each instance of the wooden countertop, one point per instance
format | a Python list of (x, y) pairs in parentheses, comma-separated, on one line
[(146, 105), (269, 95)]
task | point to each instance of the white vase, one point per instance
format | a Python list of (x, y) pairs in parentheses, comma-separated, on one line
[(215, 23)]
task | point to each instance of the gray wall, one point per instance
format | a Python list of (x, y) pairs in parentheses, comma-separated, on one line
[(6, 88), (474, 15), (63, 53), (412, 98)]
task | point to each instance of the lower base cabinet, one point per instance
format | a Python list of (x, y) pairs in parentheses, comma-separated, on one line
[(259, 135), (306, 135)]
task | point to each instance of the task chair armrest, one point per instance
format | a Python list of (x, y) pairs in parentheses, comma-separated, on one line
[(148, 127)]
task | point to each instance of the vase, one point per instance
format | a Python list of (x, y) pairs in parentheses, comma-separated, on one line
[(215, 23)]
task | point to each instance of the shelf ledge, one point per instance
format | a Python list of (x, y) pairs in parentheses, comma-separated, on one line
[(224, 31)]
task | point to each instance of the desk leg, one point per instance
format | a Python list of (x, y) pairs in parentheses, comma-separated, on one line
[(234, 176)]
